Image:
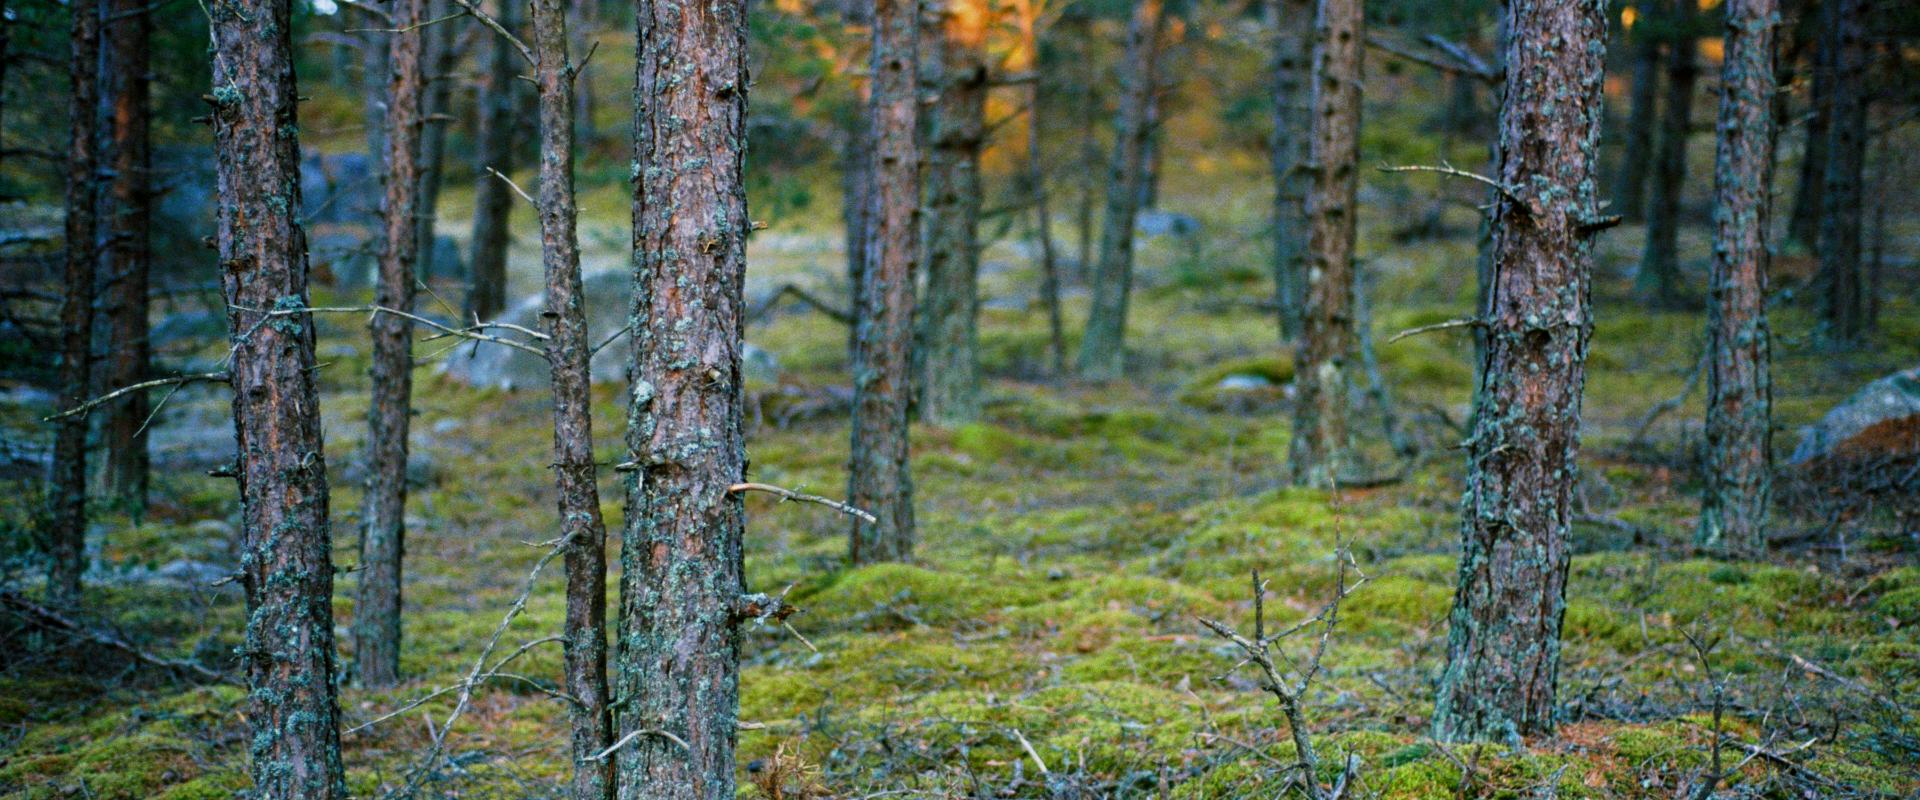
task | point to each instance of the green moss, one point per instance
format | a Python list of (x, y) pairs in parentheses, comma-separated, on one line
[(1270, 374), (1901, 604), (891, 596), (1398, 602)]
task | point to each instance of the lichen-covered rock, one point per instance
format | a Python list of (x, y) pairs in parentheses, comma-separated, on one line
[(1881, 420)]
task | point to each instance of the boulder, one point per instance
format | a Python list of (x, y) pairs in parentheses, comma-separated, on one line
[(1166, 223), (607, 293), (1881, 421)]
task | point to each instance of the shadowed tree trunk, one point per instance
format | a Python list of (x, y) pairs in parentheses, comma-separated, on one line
[(1503, 644), (374, 69), (1630, 183), (376, 614), (287, 565), (1844, 311), (493, 199), (1803, 226), (1320, 436), (855, 178), (124, 85), (681, 582), (950, 389), (1733, 509), (1291, 25), (436, 104), (880, 480), (569, 353), (1103, 347), (68, 495), (1028, 18), (1659, 280)]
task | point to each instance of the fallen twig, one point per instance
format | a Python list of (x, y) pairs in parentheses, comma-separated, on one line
[(48, 617)]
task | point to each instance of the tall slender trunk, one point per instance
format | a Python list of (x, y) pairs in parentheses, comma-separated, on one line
[(1844, 312), (950, 390), (880, 476), (569, 353), (1803, 226), (493, 199), (681, 582), (287, 565), (124, 84), (374, 69), (1733, 508), (1630, 182), (1659, 280), (1291, 26), (376, 613), (1103, 347), (1087, 155), (1503, 643), (582, 27), (856, 177), (1320, 436), (1029, 21), (436, 105), (68, 492)]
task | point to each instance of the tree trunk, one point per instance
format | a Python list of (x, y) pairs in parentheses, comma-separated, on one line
[(681, 582), (1503, 645), (1029, 21), (569, 353), (1733, 509), (880, 477), (1320, 437), (376, 615), (1103, 347), (1803, 227), (1291, 25), (374, 70), (493, 199), (435, 108), (287, 566), (1844, 315), (950, 391), (1658, 283), (1630, 183), (124, 84), (855, 180), (68, 494)]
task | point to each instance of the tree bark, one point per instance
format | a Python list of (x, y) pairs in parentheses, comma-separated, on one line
[(68, 495), (493, 199), (374, 71), (376, 617), (950, 390), (1291, 25), (855, 182), (880, 477), (1630, 183), (1733, 508), (1658, 282), (125, 86), (439, 60), (1320, 436), (1503, 643), (1103, 346), (287, 566), (1844, 312), (1803, 226), (569, 353), (1029, 21), (681, 583)]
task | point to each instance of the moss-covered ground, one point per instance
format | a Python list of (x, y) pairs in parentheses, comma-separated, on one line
[(1069, 541)]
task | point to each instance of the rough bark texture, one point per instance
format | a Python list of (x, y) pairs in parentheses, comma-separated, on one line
[(1103, 347), (124, 86), (855, 180), (373, 84), (67, 541), (376, 615), (439, 60), (681, 580), (950, 389), (1844, 310), (880, 480), (1029, 13), (569, 352), (1630, 182), (1503, 645), (1803, 226), (1320, 436), (493, 199), (286, 563), (1658, 282), (1292, 29), (1733, 508)]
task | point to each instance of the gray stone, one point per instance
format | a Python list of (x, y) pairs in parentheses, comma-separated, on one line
[(1244, 383), (1879, 421), (1166, 223), (607, 294)]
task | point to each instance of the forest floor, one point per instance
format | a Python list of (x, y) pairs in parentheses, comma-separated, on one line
[(1045, 641)]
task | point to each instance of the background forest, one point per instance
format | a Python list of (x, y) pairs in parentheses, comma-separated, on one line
[(1058, 399)]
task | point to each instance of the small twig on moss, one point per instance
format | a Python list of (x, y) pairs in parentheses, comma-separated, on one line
[(1031, 753), (47, 617)]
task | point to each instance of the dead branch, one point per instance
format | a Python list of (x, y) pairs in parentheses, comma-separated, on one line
[(1438, 326), (1457, 63), (176, 381), (516, 187), (49, 617), (761, 309), (1661, 408), (487, 20), (615, 747), (474, 332), (1446, 168), (787, 494)]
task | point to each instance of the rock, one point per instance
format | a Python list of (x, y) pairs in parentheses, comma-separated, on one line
[(339, 188), (193, 327), (422, 470), (192, 437), (1166, 223), (446, 426), (1878, 422), (1006, 302), (607, 295), (1244, 383), (759, 364)]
